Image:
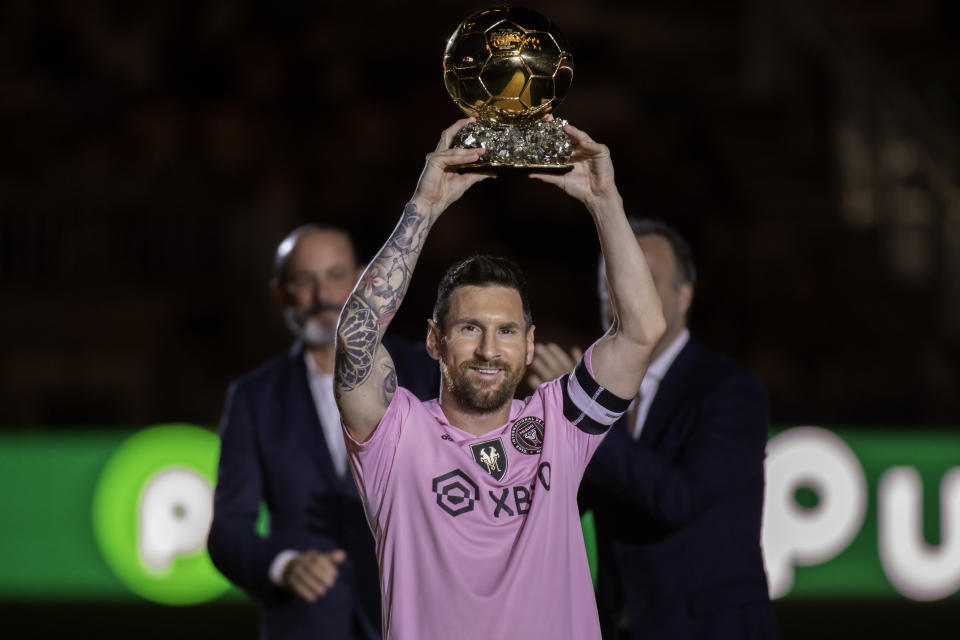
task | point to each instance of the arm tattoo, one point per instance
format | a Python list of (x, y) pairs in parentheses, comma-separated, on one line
[(386, 281), (376, 299), (389, 384), (357, 331)]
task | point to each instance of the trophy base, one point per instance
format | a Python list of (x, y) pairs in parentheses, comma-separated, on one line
[(478, 167), (542, 146)]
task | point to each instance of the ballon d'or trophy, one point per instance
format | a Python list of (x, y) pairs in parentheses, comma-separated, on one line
[(510, 67)]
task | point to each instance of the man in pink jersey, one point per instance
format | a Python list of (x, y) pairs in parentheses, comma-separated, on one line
[(472, 497)]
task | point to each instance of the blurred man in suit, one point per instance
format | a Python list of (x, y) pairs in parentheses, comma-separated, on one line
[(315, 574), (677, 486)]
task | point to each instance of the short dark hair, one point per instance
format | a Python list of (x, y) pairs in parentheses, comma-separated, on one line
[(285, 248), (481, 271), (686, 268)]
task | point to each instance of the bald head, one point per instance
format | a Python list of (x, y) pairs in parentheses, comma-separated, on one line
[(288, 246), (315, 269)]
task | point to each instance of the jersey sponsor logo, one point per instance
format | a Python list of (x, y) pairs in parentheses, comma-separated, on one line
[(526, 434), (456, 492), (522, 497), (491, 456)]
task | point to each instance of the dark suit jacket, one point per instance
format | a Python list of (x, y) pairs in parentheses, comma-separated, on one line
[(678, 511), (273, 450)]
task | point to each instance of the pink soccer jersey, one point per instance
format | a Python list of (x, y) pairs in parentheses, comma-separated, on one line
[(479, 537)]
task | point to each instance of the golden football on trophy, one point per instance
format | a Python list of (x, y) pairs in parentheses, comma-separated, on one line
[(510, 67)]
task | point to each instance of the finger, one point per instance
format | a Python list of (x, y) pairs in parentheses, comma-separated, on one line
[(309, 585), (555, 358), (545, 352), (337, 556), (306, 585), (308, 557), (452, 157), (534, 381), (303, 591), (581, 153), (473, 178), (323, 571), (455, 151), (538, 368), (447, 136), (569, 362), (583, 144), (548, 117), (313, 567), (330, 576), (549, 178), (322, 579), (579, 135), (542, 368), (330, 571), (587, 152), (561, 357), (576, 353)]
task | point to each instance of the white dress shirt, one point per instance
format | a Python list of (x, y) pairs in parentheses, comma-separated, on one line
[(321, 388), (651, 382)]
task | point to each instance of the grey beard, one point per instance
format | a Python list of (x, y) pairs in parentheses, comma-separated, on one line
[(312, 332)]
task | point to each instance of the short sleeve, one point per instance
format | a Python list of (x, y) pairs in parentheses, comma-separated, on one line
[(372, 461), (588, 408)]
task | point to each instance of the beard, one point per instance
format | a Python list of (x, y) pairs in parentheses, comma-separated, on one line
[(480, 396), (310, 326)]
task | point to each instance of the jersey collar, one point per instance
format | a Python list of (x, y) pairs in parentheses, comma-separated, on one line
[(433, 408)]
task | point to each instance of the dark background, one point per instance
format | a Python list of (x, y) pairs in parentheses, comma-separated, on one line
[(155, 153)]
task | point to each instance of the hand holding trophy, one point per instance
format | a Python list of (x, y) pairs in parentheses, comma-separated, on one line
[(509, 67)]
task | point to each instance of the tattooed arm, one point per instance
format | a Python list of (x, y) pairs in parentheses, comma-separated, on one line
[(364, 375)]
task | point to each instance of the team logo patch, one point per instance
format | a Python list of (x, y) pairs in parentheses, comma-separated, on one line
[(456, 492), (526, 434), (490, 455)]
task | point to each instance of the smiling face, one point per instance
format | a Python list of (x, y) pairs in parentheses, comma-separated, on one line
[(318, 274), (483, 347)]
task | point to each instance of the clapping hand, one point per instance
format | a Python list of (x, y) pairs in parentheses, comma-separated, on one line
[(550, 361), (311, 574)]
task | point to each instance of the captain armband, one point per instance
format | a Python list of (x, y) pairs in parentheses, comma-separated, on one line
[(587, 405)]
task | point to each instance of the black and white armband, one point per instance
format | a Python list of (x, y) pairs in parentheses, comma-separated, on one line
[(587, 405)]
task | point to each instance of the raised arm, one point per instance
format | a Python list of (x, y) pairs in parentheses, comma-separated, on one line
[(364, 375), (621, 357)]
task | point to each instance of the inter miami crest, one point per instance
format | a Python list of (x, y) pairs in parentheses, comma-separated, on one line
[(527, 435), (491, 455)]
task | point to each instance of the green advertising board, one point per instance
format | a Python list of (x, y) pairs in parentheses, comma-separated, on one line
[(863, 513), (111, 516)]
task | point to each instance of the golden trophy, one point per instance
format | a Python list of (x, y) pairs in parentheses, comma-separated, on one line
[(510, 67)]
